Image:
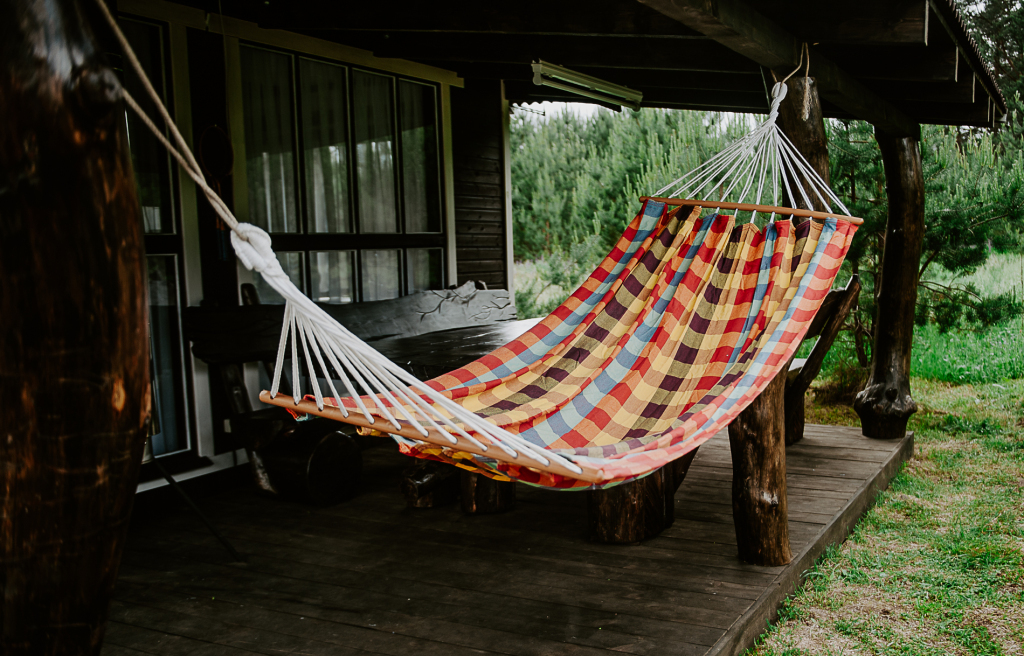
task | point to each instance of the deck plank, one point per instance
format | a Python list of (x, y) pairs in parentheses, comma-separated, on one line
[(340, 580)]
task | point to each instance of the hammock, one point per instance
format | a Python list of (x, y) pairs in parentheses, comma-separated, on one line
[(673, 335)]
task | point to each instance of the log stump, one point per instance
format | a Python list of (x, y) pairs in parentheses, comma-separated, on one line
[(639, 510), (74, 344), (484, 496), (757, 438), (430, 484)]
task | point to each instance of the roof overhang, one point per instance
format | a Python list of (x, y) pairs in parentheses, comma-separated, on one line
[(895, 63)]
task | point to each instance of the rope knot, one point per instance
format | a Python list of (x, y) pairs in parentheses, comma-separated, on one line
[(779, 92), (252, 246)]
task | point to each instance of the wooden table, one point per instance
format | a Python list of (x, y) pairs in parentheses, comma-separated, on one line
[(624, 514), (432, 354)]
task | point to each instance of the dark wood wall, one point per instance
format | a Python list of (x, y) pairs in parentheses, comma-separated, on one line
[(479, 169)]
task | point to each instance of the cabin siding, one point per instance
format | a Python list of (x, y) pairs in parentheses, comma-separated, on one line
[(479, 182)]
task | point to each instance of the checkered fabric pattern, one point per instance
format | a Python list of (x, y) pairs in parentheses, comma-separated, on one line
[(678, 330)]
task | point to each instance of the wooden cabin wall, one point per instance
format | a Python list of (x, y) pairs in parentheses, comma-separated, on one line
[(478, 146)]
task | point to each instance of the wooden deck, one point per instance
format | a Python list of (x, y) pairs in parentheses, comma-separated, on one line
[(370, 576)]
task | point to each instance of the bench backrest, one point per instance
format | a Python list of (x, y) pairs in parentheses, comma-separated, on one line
[(249, 333)]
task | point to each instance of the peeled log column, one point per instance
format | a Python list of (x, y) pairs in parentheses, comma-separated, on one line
[(74, 365), (808, 135), (758, 436), (885, 404), (759, 507)]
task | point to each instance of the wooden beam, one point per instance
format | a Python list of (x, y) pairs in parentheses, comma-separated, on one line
[(743, 30), (637, 78), (570, 51), (874, 21), (535, 17)]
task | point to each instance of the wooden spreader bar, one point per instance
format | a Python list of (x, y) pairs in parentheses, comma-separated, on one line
[(355, 418), (750, 207)]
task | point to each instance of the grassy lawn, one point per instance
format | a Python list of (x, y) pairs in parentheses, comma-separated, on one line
[(937, 566)]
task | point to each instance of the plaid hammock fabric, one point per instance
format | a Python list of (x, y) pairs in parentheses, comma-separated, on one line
[(677, 331)]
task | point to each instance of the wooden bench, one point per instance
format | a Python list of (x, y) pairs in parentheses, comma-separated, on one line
[(802, 371), (315, 460)]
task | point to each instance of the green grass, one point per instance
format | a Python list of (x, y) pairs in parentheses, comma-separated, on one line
[(967, 357), (972, 357), (937, 566)]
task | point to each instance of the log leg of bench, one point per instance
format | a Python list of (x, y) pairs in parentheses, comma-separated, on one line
[(482, 495), (759, 508), (430, 484), (638, 510)]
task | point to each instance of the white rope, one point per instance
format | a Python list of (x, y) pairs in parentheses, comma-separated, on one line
[(764, 162)]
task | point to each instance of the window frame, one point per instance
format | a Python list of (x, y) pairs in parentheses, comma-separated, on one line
[(172, 244), (356, 240)]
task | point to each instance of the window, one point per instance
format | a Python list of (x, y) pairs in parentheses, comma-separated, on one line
[(342, 168), (155, 177)]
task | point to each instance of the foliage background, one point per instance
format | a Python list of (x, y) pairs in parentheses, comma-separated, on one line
[(576, 181)]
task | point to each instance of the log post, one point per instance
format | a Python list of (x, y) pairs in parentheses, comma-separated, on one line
[(885, 404), (485, 496), (760, 511), (74, 364), (758, 436)]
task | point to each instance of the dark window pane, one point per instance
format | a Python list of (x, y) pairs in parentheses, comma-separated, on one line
[(269, 143), (149, 159), (372, 113), (325, 145), (425, 269), (169, 432), (382, 275), (331, 273), (421, 182), (293, 265)]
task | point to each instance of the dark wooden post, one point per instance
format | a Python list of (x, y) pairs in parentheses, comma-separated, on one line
[(885, 404), (74, 364), (759, 502), (638, 510), (808, 135), (758, 436), (484, 496)]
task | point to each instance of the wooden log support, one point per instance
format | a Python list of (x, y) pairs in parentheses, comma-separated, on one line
[(758, 435), (825, 326), (74, 364), (759, 506), (430, 484), (638, 510), (885, 404), (807, 134), (485, 496)]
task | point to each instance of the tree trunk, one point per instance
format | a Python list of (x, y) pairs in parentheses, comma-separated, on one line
[(885, 404), (798, 384), (759, 508), (74, 364)]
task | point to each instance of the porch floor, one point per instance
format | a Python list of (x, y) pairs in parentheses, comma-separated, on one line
[(370, 576)]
